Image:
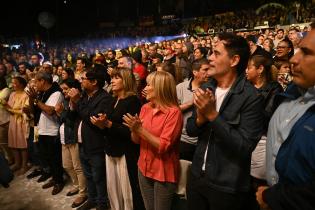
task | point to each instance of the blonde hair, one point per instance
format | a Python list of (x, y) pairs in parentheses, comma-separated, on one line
[(128, 78), (164, 87)]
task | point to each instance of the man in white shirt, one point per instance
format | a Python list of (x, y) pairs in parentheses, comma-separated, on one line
[(48, 127), (227, 121)]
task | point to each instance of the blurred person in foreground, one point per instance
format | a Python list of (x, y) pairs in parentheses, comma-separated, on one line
[(290, 153)]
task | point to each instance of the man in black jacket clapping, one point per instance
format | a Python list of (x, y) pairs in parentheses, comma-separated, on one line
[(94, 100)]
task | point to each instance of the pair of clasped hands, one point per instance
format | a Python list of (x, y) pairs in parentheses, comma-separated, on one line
[(132, 122), (205, 103)]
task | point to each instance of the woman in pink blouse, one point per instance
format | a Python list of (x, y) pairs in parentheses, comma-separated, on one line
[(158, 130)]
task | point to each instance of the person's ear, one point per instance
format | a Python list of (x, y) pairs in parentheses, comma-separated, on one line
[(235, 61)]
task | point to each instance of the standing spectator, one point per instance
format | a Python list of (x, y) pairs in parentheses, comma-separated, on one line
[(290, 157), (22, 68), (4, 120), (254, 48), (121, 153), (227, 122), (182, 64), (91, 140), (70, 147), (48, 128), (67, 73), (19, 125), (279, 37), (284, 50), (200, 53), (268, 46), (284, 76), (295, 37), (80, 69), (186, 103), (140, 69), (10, 73), (188, 49), (258, 73), (158, 130)]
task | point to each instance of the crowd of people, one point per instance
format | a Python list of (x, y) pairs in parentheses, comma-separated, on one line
[(225, 121)]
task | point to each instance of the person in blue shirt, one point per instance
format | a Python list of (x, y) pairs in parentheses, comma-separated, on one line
[(291, 132)]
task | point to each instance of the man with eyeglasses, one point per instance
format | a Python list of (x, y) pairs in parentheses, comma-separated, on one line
[(284, 50), (94, 100)]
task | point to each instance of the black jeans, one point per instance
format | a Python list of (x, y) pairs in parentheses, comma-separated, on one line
[(206, 198), (33, 150), (94, 170), (50, 153)]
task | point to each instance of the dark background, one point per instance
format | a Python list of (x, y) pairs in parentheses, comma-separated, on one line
[(74, 18)]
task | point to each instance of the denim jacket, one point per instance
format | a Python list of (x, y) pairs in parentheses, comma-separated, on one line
[(231, 138)]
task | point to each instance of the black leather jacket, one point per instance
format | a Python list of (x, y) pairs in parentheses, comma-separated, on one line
[(231, 138)]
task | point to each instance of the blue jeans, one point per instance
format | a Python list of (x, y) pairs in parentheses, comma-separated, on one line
[(94, 170)]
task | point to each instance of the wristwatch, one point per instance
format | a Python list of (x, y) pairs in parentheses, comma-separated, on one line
[(35, 102)]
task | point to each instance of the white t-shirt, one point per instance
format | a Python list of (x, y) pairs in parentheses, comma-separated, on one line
[(219, 97), (48, 124)]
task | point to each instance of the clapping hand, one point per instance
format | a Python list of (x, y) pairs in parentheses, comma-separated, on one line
[(101, 121), (32, 93), (205, 103), (110, 71), (132, 122)]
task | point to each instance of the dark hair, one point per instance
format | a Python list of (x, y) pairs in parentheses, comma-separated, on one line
[(21, 80), (170, 68), (280, 29), (112, 51), (5, 68), (196, 65), (137, 56), (236, 45), (3, 83), (280, 62), (290, 45), (69, 72), (202, 50), (98, 75), (251, 38), (266, 62), (72, 83), (25, 64), (83, 60)]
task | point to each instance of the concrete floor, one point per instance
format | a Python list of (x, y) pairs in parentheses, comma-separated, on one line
[(24, 194)]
